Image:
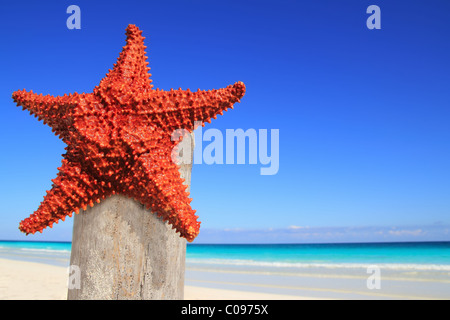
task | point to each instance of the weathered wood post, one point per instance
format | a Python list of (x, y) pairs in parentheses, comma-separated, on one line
[(123, 251), (117, 143)]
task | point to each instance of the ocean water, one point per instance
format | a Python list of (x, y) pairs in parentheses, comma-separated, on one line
[(413, 270), (419, 255), (54, 253), (403, 255)]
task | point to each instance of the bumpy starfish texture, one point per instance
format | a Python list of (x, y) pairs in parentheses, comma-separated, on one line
[(119, 141)]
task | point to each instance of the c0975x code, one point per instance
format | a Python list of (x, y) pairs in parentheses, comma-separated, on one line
[(246, 309)]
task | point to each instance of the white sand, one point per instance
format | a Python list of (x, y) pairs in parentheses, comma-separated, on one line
[(29, 280), (37, 281), (200, 293)]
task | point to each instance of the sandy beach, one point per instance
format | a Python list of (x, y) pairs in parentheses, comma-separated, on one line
[(23, 280)]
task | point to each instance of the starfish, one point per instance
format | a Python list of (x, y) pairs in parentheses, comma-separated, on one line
[(119, 141)]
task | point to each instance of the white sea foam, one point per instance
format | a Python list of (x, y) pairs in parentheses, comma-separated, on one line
[(45, 250), (304, 265)]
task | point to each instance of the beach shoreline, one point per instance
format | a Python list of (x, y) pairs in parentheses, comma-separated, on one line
[(26, 280), (39, 270)]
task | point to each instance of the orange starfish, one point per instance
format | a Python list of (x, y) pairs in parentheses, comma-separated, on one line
[(119, 141)]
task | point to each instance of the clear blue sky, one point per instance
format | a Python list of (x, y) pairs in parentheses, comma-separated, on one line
[(363, 115)]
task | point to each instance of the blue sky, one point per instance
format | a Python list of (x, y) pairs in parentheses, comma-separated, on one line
[(363, 115)]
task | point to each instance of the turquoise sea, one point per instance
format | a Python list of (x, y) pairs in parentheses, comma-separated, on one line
[(409, 270), (401, 255), (421, 255)]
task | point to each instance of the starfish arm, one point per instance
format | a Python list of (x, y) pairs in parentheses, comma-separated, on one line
[(184, 109), (55, 111), (43, 107), (169, 198), (71, 190), (130, 71)]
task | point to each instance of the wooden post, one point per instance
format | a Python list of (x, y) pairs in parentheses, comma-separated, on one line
[(120, 250)]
